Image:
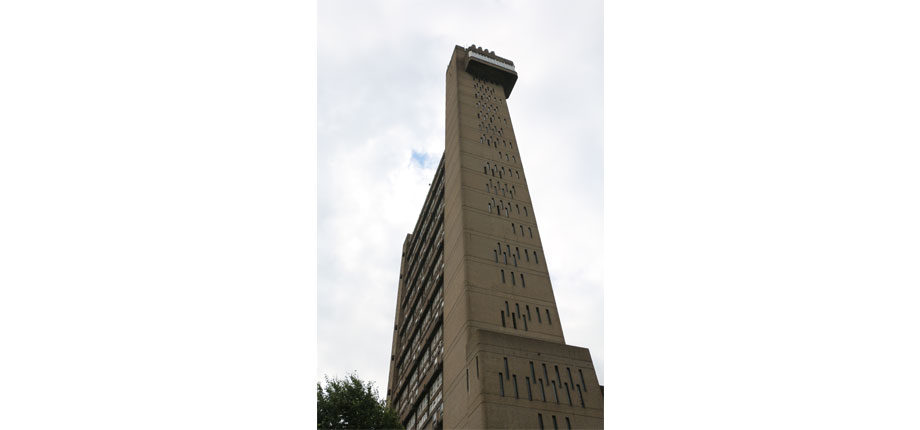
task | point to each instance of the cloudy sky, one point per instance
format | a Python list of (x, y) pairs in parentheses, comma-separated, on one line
[(381, 87)]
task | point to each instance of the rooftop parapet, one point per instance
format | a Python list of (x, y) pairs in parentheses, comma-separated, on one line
[(484, 64)]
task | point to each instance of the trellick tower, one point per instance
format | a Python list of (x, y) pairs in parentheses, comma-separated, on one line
[(477, 341)]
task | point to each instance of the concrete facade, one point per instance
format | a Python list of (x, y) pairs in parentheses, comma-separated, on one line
[(477, 341)]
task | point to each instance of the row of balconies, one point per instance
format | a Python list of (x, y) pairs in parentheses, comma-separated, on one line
[(426, 238)]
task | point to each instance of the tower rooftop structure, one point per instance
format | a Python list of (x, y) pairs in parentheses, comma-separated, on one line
[(477, 339)]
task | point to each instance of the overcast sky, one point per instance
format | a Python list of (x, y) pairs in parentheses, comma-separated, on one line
[(381, 88)]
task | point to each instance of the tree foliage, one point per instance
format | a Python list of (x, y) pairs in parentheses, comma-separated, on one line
[(350, 403)]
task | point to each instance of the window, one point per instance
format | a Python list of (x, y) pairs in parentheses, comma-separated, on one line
[(568, 425), (512, 276), (542, 390), (529, 393), (513, 319), (506, 366), (518, 250), (529, 230), (501, 384), (503, 281), (490, 207), (539, 419), (580, 398), (514, 379), (507, 310), (535, 259), (525, 211), (569, 370), (548, 319), (528, 312), (555, 393), (539, 320), (503, 318), (582, 375), (522, 281), (545, 375), (526, 254), (467, 379), (522, 231), (568, 394), (555, 427), (518, 209), (496, 255), (533, 374)]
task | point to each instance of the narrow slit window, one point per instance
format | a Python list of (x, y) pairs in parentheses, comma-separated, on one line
[(568, 424), (531, 232), (582, 375), (555, 392), (467, 379), (506, 366), (528, 312), (513, 321), (539, 320), (548, 319), (555, 427), (503, 281), (568, 394), (522, 230), (501, 384), (503, 318), (533, 375), (525, 211), (540, 420), (518, 208), (518, 250), (526, 254), (525, 322), (496, 255), (529, 392), (542, 390), (507, 309), (535, 258), (512, 279), (580, 397), (545, 375), (514, 379), (477, 367), (524, 285)]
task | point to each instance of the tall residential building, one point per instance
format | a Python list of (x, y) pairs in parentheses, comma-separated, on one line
[(478, 342)]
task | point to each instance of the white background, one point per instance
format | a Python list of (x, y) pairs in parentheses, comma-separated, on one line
[(157, 215)]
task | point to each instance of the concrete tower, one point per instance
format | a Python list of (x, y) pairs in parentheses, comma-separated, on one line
[(477, 341)]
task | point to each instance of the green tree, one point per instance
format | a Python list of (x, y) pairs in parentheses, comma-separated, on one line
[(350, 403)]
